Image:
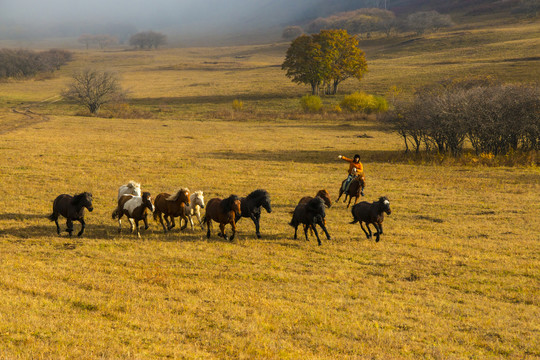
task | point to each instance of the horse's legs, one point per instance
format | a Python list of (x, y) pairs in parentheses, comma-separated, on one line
[(69, 224), (120, 214), (378, 233), (57, 226), (222, 233), (199, 218), (83, 225), (350, 198), (173, 224), (208, 223), (369, 229), (183, 217), (145, 219), (191, 222), (295, 231), (160, 215), (340, 193), (256, 221), (233, 226), (137, 228), (316, 234), (365, 232), (355, 200), (132, 223), (323, 226), (306, 227)]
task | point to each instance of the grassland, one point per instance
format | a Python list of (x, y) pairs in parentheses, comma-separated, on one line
[(456, 274)]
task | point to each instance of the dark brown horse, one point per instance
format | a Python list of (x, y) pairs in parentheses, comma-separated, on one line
[(324, 195), (72, 208), (371, 213), (171, 207), (224, 212), (135, 208), (251, 207), (355, 189), (310, 214)]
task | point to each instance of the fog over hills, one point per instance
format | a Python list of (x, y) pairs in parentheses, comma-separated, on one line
[(34, 19)]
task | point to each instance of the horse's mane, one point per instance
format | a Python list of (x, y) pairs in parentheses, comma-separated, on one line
[(133, 185), (227, 204), (317, 205), (145, 195), (177, 195), (259, 193), (79, 197)]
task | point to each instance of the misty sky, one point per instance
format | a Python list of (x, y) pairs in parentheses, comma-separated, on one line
[(151, 14)]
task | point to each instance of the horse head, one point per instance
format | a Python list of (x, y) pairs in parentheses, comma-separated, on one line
[(197, 198), (384, 204), (232, 203), (147, 201), (181, 195), (83, 200), (323, 194)]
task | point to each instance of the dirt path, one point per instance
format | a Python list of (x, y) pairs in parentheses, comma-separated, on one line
[(29, 117)]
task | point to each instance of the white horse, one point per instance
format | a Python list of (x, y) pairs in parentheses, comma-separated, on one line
[(195, 206), (131, 188)]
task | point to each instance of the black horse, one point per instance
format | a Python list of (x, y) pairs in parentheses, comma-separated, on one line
[(371, 213), (310, 214), (72, 208), (251, 207)]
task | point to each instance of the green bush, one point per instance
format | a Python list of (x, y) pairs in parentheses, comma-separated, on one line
[(311, 103), (362, 102)]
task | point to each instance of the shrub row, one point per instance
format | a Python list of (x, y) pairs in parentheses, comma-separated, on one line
[(25, 63), (496, 118), (355, 102)]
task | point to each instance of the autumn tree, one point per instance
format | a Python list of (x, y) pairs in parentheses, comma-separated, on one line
[(342, 58), (303, 62), (93, 88), (327, 59)]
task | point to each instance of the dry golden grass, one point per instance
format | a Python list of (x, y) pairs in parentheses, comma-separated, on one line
[(455, 275)]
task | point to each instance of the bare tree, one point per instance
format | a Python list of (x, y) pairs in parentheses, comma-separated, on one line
[(148, 39), (93, 88)]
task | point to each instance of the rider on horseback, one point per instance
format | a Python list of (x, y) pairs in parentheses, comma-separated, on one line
[(356, 169)]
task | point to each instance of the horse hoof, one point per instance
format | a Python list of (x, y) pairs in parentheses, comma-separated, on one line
[(259, 236)]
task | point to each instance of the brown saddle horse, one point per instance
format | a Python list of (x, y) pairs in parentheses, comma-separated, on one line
[(356, 186)]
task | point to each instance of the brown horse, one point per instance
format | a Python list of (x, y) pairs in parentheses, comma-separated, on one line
[(355, 188), (224, 212), (323, 194), (171, 207)]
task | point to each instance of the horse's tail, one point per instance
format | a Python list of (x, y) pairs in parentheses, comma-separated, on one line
[(355, 218), (156, 215), (53, 216)]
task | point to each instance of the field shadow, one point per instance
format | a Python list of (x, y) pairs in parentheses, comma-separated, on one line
[(92, 231), (206, 99), (310, 156), (14, 216)]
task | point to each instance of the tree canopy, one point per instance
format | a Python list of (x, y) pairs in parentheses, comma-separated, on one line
[(326, 59)]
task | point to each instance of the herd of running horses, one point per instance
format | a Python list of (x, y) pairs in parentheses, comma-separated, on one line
[(136, 205)]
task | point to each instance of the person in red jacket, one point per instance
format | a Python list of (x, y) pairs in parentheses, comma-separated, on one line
[(355, 169)]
